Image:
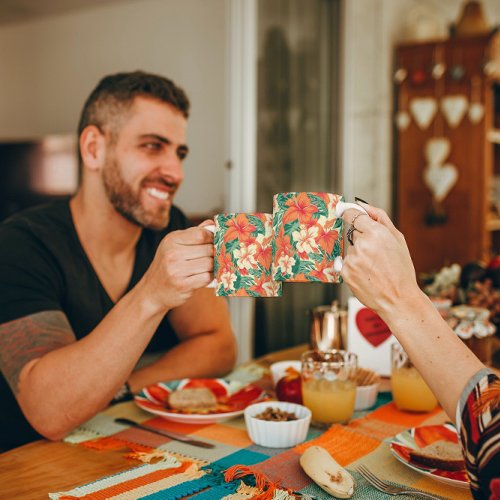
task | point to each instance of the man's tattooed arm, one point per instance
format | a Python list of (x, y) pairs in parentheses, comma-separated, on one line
[(30, 337)]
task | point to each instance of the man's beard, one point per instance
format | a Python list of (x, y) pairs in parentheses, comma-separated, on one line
[(128, 203)]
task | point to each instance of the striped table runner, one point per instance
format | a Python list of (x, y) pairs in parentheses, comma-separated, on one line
[(185, 470)]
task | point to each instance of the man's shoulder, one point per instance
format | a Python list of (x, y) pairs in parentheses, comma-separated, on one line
[(55, 212), (46, 217)]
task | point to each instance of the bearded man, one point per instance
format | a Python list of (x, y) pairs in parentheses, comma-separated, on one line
[(90, 284)]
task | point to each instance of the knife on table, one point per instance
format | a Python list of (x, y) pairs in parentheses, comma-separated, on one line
[(171, 435)]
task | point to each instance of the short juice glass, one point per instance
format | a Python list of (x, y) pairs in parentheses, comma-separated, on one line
[(409, 390), (328, 388)]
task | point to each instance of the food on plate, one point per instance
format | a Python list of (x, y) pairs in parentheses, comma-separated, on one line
[(289, 387), (443, 455), (276, 415), (324, 470), (199, 399)]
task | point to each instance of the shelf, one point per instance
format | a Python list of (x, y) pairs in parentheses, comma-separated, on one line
[(494, 136), (493, 224), (432, 247)]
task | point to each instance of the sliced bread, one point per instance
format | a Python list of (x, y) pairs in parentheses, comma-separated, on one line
[(442, 455), (196, 399)]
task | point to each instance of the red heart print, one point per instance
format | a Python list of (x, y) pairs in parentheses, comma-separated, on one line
[(373, 329)]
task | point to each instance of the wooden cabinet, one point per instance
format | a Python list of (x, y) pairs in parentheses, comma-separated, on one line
[(465, 225)]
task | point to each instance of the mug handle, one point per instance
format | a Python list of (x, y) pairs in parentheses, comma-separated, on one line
[(211, 228), (342, 206), (338, 263)]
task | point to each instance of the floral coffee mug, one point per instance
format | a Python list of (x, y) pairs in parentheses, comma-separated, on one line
[(243, 255), (307, 237)]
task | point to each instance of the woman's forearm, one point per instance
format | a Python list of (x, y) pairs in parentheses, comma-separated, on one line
[(442, 359)]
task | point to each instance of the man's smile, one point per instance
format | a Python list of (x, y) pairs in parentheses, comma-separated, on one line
[(159, 194)]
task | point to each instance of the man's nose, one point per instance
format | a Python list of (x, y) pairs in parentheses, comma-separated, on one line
[(172, 166)]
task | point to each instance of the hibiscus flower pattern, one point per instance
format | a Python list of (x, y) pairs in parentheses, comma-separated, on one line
[(308, 237), (243, 256)]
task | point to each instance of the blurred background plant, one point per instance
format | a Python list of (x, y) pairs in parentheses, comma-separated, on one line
[(468, 297)]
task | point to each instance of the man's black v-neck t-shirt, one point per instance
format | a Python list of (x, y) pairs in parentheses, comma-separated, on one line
[(43, 267)]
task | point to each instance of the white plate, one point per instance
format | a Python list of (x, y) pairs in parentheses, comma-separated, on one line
[(232, 399), (418, 437)]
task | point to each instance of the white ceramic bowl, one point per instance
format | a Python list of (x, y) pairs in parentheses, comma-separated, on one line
[(277, 434), (278, 369), (366, 395)]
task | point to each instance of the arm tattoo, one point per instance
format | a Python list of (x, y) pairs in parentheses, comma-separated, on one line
[(30, 337)]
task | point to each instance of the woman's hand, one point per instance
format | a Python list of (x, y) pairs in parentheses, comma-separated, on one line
[(378, 267)]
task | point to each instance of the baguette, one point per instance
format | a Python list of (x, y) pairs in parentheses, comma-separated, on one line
[(442, 455)]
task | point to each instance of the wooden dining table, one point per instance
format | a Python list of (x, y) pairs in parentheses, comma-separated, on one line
[(35, 469)]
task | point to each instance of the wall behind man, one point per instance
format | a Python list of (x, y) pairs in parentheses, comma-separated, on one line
[(50, 65), (371, 30)]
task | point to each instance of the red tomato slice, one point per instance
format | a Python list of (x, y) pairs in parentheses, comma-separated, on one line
[(428, 434), (402, 451), (158, 393), (459, 475), (244, 397)]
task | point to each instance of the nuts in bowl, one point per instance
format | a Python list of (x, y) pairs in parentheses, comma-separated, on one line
[(277, 424)]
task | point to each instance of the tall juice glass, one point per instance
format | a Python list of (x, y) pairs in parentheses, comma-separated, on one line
[(409, 390), (328, 388)]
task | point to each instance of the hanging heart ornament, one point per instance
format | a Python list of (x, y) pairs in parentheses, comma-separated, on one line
[(441, 179), (437, 149), (476, 112), (454, 108), (423, 110)]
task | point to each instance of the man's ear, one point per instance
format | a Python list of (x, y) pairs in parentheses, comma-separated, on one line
[(92, 148)]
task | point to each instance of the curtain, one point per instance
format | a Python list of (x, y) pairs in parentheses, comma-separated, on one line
[(298, 50)]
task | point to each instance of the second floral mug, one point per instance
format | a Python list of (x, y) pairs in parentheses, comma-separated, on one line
[(307, 237)]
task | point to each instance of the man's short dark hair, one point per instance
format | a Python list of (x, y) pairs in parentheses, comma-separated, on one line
[(115, 94)]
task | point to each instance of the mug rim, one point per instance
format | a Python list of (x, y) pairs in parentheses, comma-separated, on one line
[(232, 214)]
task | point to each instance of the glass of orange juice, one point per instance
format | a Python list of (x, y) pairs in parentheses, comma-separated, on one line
[(328, 389), (409, 390)]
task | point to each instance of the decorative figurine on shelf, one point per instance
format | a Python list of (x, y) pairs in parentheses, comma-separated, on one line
[(424, 23), (472, 21)]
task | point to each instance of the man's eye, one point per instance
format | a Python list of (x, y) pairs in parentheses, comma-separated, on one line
[(182, 153), (152, 146)]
